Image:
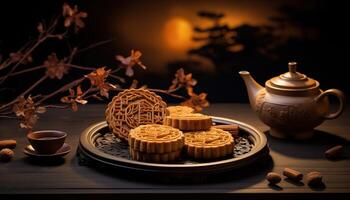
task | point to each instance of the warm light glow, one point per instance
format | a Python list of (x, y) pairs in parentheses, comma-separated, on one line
[(178, 33)]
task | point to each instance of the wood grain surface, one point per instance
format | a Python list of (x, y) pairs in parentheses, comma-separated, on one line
[(24, 178)]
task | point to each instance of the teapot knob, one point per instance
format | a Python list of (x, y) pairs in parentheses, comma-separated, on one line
[(292, 67)]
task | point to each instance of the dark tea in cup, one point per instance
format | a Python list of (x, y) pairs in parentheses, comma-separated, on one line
[(47, 141)]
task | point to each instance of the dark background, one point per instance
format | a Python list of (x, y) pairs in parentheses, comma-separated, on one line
[(258, 36)]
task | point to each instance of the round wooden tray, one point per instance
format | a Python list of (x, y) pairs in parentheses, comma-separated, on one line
[(115, 153)]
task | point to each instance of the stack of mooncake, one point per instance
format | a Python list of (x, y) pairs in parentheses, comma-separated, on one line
[(202, 141), (157, 133), (155, 143)]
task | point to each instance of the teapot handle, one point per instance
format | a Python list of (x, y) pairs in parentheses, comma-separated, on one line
[(340, 95)]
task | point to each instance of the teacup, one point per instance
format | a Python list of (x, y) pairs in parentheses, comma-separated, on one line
[(47, 141)]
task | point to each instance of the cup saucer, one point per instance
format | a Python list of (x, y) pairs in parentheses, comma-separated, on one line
[(64, 150)]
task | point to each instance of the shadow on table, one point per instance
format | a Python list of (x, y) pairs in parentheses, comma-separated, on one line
[(319, 187), (275, 187), (313, 148), (44, 162), (244, 176)]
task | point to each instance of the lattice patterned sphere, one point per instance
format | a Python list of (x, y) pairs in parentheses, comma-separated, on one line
[(134, 107)]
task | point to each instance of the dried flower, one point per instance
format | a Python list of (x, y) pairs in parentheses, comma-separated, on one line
[(135, 83), (95, 96), (98, 79), (26, 111), (129, 62), (17, 56), (73, 98), (73, 16), (197, 102), (182, 80), (55, 68), (40, 28)]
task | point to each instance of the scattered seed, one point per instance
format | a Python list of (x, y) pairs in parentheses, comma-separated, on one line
[(293, 174), (314, 178), (334, 152), (6, 154), (273, 178)]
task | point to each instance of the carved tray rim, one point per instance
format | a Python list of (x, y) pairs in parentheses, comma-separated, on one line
[(259, 149)]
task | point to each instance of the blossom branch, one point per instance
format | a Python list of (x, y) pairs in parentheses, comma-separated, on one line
[(81, 67), (117, 77), (44, 35), (24, 71), (39, 41), (8, 117), (56, 106), (95, 45), (24, 93), (170, 93), (60, 90), (27, 108)]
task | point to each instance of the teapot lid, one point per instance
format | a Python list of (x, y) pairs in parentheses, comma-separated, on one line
[(292, 79)]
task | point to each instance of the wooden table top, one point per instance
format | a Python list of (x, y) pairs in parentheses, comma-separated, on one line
[(66, 179)]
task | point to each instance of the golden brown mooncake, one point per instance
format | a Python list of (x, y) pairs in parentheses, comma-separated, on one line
[(154, 157), (156, 139), (134, 107), (189, 122), (211, 144), (178, 110)]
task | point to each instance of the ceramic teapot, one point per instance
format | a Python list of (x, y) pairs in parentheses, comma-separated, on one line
[(291, 104)]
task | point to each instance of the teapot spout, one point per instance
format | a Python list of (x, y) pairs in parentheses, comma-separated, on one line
[(253, 87)]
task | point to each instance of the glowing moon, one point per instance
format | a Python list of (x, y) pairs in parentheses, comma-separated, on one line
[(177, 33)]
